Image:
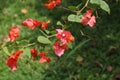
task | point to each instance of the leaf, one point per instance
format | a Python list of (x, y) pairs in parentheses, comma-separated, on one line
[(70, 45), (59, 23), (74, 18), (48, 32), (102, 4), (43, 40), (97, 2), (105, 6), (5, 49), (73, 8)]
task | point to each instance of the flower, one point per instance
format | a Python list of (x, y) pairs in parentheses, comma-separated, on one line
[(88, 19), (24, 11), (45, 24), (14, 33), (59, 48), (52, 4), (12, 60), (34, 53), (30, 23), (64, 36), (44, 58), (58, 2)]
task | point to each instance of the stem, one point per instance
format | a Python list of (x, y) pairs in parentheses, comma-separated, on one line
[(43, 33), (86, 4), (51, 36), (66, 9), (28, 45)]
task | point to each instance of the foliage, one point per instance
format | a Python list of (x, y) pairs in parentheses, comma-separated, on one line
[(77, 60)]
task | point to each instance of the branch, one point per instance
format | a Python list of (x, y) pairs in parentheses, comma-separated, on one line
[(86, 4)]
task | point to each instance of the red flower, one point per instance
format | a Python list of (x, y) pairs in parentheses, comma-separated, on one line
[(30, 23), (44, 58), (52, 4), (64, 36), (58, 2), (45, 24), (12, 60), (59, 48), (88, 19), (14, 33), (34, 53)]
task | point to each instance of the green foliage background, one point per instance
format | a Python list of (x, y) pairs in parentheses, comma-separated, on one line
[(103, 47)]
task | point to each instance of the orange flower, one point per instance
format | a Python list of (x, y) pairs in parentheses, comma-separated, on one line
[(45, 24)]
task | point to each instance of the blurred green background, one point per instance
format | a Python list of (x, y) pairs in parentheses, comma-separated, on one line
[(98, 59)]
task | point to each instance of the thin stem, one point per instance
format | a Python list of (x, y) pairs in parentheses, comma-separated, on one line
[(86, 4), (66, 9), (51, 36), (43, 33), (28, 45)]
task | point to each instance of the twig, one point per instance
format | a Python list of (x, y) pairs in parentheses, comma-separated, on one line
[(86, 4), (43, 33), (66, 9)]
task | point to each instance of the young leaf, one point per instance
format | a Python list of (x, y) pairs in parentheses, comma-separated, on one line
[(59, 23), (43, 40)]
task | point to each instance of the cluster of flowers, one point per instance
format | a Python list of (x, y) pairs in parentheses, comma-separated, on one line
[(63, 37), (13, 59), (30, 23), (87, 19), (52, 4)]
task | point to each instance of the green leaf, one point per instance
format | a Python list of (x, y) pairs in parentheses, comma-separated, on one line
[(70, 45), (73, 8), (59, 23), (74, 18), (5, 49), (43, 40), (97, 2), (102, 4), (48, 32), (105, 6)]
